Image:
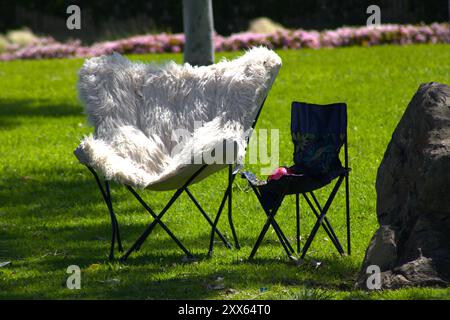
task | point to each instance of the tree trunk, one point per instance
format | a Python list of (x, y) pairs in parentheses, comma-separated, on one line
[(198, 30)]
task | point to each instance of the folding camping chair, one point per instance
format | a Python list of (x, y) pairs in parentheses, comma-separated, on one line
[(139, 111), (318, 133)]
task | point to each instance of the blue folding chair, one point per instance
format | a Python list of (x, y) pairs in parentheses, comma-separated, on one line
[(318, 133)]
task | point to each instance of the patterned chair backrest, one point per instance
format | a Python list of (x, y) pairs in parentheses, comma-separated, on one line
[(318, 133)]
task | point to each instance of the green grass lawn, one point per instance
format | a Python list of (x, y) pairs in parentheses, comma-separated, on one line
[(52, 215)]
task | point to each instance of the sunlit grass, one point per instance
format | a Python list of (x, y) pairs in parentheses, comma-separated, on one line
[(52, 215)]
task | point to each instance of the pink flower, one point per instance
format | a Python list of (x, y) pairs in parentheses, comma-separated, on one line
[(291, 39)]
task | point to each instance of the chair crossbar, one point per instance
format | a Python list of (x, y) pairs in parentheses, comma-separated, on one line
[(271, 222), (211, 223), (325, 224), (157, 218), (321, 218), (319, 213)]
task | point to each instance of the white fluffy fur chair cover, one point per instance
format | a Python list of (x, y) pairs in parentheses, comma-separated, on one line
[(139, 110)]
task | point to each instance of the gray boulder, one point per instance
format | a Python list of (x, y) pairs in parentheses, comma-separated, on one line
[(412, 245)]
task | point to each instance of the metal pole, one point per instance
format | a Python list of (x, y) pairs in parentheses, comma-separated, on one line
[(230, 207), (297, 212)]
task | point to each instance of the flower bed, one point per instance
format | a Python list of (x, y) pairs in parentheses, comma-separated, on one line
[(44, 48)]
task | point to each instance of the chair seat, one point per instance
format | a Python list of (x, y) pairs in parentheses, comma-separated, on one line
[(294, 183), (153, 169)]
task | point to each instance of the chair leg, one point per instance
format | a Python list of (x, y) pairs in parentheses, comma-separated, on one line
[(347, 209), (211, 223), (271, 221), (113, 217), (325, 224), (114, 223), (297, 215), (274, 223), (231, 177), (219, 212), (216, 221), (321, 217), (113, 237), (280, 233)]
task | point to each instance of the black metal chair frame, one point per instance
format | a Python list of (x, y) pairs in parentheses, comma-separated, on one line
[(318, 211), (105, 191)]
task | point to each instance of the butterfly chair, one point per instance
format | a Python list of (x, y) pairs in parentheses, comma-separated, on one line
[(318, 133), (166, 127)]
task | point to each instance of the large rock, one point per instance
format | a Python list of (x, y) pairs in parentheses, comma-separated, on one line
[(412, 245)]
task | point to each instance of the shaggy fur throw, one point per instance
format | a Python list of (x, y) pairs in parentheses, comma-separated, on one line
[(156, 124)]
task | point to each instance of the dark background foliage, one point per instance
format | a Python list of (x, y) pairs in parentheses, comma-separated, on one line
[(108, 19)]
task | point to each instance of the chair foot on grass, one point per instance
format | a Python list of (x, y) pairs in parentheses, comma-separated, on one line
[(189, 259)]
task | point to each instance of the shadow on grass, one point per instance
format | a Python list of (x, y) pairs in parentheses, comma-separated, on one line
[(51, 227), (51, 208), (10, 110), (236, 278), (161, 280)]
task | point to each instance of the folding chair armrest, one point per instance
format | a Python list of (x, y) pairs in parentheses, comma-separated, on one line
[(252, 179)]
